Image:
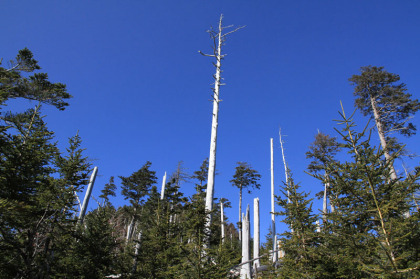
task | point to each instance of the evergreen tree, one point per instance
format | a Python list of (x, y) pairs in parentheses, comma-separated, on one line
[(369, 237), (37, 182), (380, 96), (245, 177), (92, 251), (135, 188), (301, 243), (36, 87), (109, 190), (321, 151)]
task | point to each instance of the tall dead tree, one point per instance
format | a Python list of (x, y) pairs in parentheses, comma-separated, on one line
[(256, 233), (285, 165), (162, 191), (273, 217), (218, 38), (87, 195), (246, 263), (222, 221)]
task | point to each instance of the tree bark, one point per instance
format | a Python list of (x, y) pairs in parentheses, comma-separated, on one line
[(222, 222), (273, 218), (87, 195), (240, 212), (382, 139), (162, 191), (256, 232), (213, 137), (246, 268)]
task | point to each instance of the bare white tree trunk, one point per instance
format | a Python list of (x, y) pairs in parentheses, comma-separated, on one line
[(222, 222), (246, 268), (285, 170), (324, 203), (87, 195), (162, 191), (256, 232), (240, 212), (285, 165), (273, 218), (213, 137), (130, 230), (136, 253), (218, 38), (382, 139)]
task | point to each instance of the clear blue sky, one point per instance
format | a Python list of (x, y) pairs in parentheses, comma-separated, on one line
[(141, 90)]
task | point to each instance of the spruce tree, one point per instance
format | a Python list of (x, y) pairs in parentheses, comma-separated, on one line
[(380, 96), (368, 236), (301, 242), (247, 178), (37, 181), (321, 151), (135, 188)]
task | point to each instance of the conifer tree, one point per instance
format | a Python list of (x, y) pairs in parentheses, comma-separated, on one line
[(135, 188), (321, 151), (380, 96), (37, 182), (247, 178), (300, 245), (109, 190), (369, 237)]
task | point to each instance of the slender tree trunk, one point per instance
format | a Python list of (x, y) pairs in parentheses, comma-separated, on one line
[(256, 233), (136, 253), (285, 165), (130, 229), (222, 222), (382, 139), (273, 218), (87, 195), (213, 137), (162, 192), (218, 38), (324, 204), (246, 268), (240, 212)]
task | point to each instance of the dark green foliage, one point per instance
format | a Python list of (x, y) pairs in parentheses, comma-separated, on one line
[(245, 177), (92, 251), (369, 236), (36, 87), (301, 242), (201, 175), (36, 206), (138, 184), (109, 190), (380, 91), (320, 151)]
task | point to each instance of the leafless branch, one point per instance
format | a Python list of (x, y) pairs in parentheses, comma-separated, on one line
[(240, 27), (209, 55)]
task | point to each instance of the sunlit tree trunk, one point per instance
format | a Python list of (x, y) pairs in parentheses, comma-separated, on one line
[(240, 212), (245, 268), (382, 139), (256, 232), (162, 191), (273, 218), (218, 39), (214, 124), (222, 221), (87, 195)]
